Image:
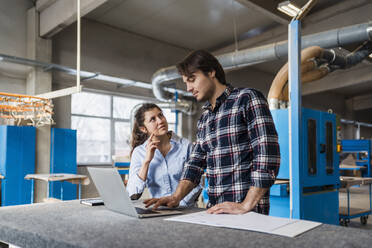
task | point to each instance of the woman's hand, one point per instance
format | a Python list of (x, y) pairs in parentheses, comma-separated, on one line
[(168, 201), (150, 149)]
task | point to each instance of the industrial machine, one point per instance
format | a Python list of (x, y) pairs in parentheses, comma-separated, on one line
[(319, 169), (311, 191)]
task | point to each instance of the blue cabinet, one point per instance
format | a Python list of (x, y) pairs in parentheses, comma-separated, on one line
[(17, 158), (63, 160)]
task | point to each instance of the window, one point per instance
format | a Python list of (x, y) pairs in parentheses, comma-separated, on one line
[(91, 104), (93, 142), (123, 107), (122, 137), (103, 126)]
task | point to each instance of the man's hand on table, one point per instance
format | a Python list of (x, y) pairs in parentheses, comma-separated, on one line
[(228, 208)]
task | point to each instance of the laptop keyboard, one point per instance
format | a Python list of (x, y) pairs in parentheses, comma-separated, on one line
[(145, 211)]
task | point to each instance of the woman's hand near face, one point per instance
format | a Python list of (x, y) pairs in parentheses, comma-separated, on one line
[(150, 151), (150, 148)]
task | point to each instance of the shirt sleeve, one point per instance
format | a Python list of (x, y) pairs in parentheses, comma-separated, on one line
[(263, 141), (190, 199), (135, 184), (196, 163)]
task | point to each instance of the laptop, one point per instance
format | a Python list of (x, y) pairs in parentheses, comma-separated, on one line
[(115, 197)]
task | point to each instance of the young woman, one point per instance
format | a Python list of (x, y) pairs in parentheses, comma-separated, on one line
[(157, 157)]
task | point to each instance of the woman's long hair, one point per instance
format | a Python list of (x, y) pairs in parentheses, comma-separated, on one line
[(139, 137)]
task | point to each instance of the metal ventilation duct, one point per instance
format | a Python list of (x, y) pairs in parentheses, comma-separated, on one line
[(85, 75), (328, 39)]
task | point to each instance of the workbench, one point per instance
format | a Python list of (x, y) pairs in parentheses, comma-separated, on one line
[(347, 213), (71, 224), (57, 177)]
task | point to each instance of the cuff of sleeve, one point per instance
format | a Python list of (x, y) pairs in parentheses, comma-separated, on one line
[(139, 185), (192, 174), (191, 198), (262, 179)]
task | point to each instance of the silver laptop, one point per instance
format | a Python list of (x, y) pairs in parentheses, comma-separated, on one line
[(113, 193)]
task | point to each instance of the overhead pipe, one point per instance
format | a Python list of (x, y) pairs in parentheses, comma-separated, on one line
[(160, 76), (310, 71), (281, 78), (184, 106), (356, 123), (306, 77), (339, 60), (316, 63), (279, 50), (85, 75)]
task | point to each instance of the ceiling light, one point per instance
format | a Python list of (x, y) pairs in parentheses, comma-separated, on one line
[(288, 8), (370, 55)]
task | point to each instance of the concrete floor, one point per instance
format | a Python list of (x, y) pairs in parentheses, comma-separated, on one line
[(359, 198)]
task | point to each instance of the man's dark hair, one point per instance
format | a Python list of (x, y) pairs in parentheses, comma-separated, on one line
[(203, 61)]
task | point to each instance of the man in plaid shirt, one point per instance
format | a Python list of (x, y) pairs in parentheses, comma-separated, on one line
[(237, 144)]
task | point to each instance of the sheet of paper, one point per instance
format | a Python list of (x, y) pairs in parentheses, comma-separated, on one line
[(250, 221)]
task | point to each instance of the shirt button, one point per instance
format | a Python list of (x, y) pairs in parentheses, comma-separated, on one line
[(212, 128)]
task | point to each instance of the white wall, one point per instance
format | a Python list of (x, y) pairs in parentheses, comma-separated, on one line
[(13, 26), (325, 101), (13, 19), (11, 82), (114, 52), (250, 78), (110, 51)]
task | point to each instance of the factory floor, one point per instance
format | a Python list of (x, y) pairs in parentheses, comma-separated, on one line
[(359, 198)]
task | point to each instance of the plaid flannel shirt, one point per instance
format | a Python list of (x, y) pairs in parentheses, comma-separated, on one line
[(237, 146)]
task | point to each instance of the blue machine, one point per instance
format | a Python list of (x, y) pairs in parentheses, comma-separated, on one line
[(319, 168), (362, 148), (17, 159), (63, 160)]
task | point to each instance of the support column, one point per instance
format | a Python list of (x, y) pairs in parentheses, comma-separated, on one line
[(295, 120), (39, 81)]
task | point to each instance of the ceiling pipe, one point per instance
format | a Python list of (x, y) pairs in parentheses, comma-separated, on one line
[(163, 75), (316, 63), (281, 78), (356, 123), (85, 75), (279, 50)]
